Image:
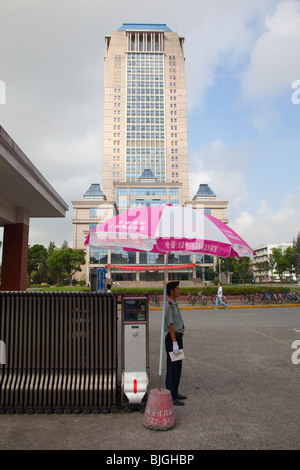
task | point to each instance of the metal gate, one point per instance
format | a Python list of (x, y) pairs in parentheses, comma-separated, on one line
[(60, 352)]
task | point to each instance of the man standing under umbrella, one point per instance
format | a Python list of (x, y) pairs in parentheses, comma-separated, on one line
[(174, 327)]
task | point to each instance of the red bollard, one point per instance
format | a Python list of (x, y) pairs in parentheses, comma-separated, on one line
[(159, 413)]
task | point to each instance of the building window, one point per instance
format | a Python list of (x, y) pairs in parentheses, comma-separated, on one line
[(204, 258), (148, 191), (122, 191), (175, 258), (173, 191), (98, 255), (122, 202), (93, 213), (123, 257)]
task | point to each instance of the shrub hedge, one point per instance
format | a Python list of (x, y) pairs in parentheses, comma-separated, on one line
[(228, 289), (206, 290)]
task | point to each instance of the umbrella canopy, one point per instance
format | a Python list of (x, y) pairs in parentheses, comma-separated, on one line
[(166, 229)]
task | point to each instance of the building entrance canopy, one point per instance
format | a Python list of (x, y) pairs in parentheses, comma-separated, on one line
[(24, 193), (23, 189)]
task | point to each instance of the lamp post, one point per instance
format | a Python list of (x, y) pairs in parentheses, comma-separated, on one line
[(219, 261)]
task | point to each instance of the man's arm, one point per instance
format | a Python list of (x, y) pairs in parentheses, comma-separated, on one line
[(172, 333), (173, 336)]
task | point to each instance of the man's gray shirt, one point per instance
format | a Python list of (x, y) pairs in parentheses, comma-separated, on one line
[(172, 315)]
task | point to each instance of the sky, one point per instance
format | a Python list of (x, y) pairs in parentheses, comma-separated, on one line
[(243, 101)]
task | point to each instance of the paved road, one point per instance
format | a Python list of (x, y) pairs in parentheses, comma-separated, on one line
[(242, 387)]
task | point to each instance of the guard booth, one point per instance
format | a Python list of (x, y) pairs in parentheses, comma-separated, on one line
[(98, 280), (135, 353)]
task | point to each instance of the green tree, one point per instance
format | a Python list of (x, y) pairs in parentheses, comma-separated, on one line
[(37, 255), (290, 258), (241, 266), (296, 246), (227, 266), (65, 245), (77, 259), (280, 262), (262, 266), (51, 248), (65, 263)]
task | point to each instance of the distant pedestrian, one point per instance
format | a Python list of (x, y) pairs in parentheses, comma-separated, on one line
[(219, 297), (108, 286)]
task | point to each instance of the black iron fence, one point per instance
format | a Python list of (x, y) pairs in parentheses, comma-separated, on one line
[(60, 352)]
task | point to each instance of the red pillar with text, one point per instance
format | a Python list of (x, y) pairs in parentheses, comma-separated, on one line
[(14, 258)]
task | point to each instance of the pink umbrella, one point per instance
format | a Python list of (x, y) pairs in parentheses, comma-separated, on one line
[(167, 229)]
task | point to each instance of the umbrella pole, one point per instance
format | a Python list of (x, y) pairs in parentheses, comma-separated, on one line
[(163, 323)]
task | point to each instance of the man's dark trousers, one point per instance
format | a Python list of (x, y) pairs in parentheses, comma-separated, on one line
[(173, 368)]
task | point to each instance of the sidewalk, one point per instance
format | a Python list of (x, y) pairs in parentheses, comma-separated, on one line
[(241, 386), (232, 302)]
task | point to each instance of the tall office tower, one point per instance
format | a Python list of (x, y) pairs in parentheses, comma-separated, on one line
[(145, 153), (145, 124)]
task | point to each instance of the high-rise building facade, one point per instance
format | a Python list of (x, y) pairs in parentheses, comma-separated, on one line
[(145, 124), (145, 153)]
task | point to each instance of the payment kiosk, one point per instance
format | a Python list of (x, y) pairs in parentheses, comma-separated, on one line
[(135, 352)]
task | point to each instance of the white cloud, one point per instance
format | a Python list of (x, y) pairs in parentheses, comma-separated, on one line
[(274, 63), (52, 63), (265, 116), (267, 225), (78, 158), (226, 170), (221, 34), (223, 169)]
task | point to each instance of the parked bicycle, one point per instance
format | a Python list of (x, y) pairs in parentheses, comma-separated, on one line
[(265, 298), (273, 297), (291, 297), (202, 298), (247, 298), (277, 297), (153, 299), (192, 299), (258, 297)]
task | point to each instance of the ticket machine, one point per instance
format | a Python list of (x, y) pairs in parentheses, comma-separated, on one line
[(135, 352)]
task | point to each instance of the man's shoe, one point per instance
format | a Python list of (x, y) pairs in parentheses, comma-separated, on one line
[(178, 402), (181, 397)]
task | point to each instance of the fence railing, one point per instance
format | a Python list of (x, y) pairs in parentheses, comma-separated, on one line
[(60, 352)]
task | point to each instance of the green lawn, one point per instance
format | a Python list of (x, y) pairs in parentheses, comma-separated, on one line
[(59, 289)]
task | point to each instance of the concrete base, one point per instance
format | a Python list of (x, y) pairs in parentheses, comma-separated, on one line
[(159, 413)]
